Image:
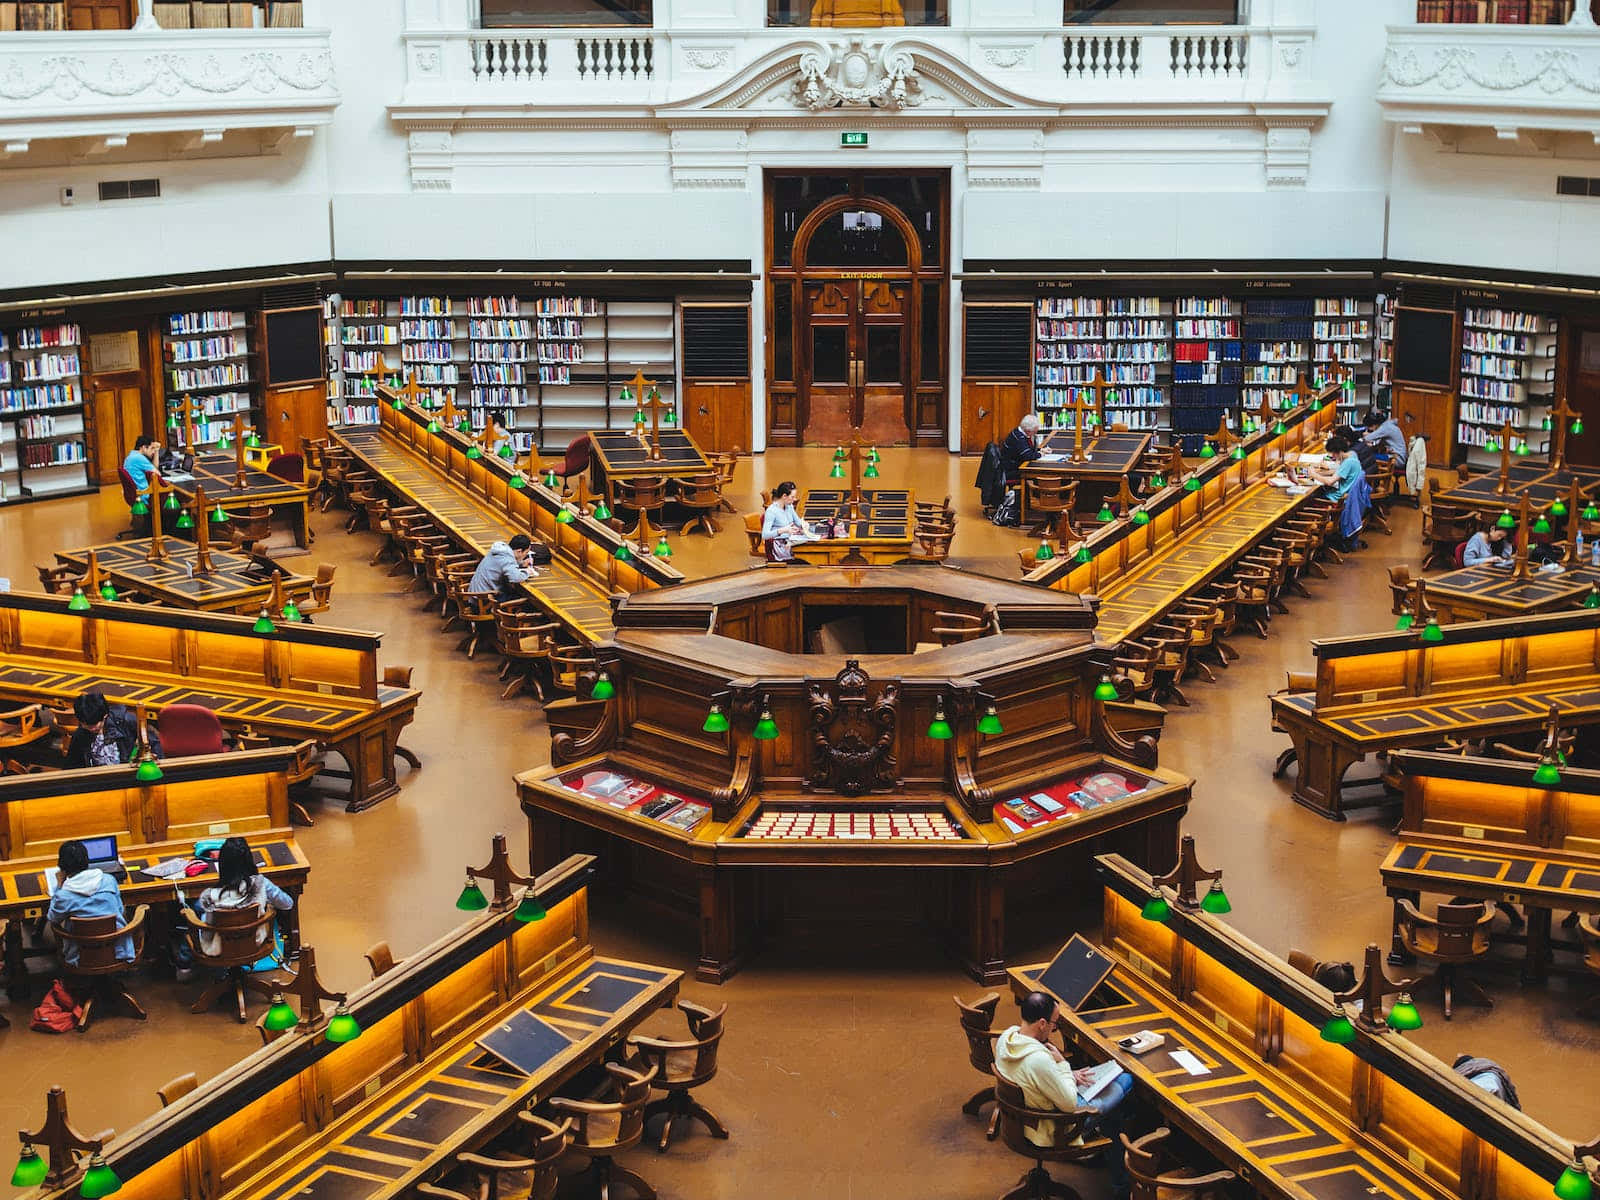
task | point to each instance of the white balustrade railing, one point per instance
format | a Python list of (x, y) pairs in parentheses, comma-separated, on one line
[(614, 58), (1121, 55)]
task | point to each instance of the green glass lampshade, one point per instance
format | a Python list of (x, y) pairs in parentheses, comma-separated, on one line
[(1140, 517), (1541, 524), (1338, 1029), (604, 689), (1105, 689), (172, 420), (564, 517), (662, 549), (1316, 404), (218, 516), (1238, 453), (516, 482), (1208, 451), (670, 417), (251, 441), (140, 508), (1083, 555), (280, 1016), (1522, 447), (716, 720), (506, 451), (1191, 484), (989, 724), (1279, 428), (99, 1180), (149, 771), (838, 454), (1249, 426), (31, 1169), (1044, 553), (872, 454), (1574, 1183), (1590, 512), (1404, 1015), (263, 622), (939, 728), (1431, 632), (109, 592), (1576, 426), (626, 394), (399, 404), (1545, 424), (1216, 901), (638, 417), (433, 427), (1406, 621), (342, 1027), (552, 480), (1156, 907), (529, 908), (170, 504), (623, 554), (602, 512), (1492, 446), (472, 898), (1505, 520), (1105, 514), (474, 453), (1158, 481), (1592, 600), (766, 729), (79, 602), (871, 472), (1558, 509), (184, 521), (837, 472), (1547, 774), (225, 442), (291, 613)]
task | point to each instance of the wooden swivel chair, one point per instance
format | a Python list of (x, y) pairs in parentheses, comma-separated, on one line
[(726, 463), (954, 628), (1153, 1174), (400, 677), (1068, 1144), (940, 513), (681, 1066), (321, 592), (752, 532), (189, 729), (381, 959), (1443, 528), (474, 609), (1589, 936), (249, 527), (549, 1143), (1047, 498), (25, 726), (701, 496), (977, 1024), (930, 541), (606, 1128), (242, 938), (640, 494), (1401, 587), (58, 581), (524, 637), (98, 974), (174, 1090), (137, 526), (1456, 935)]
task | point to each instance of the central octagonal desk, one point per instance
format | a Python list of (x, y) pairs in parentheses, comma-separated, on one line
[(875, 778)]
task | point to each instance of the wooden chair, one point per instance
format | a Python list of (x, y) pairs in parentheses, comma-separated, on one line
[(1153, 1175), (1303, 962), (360, 489), (1136, 661), (702, 496), (1200, 621), (1047, 498), (249, 527), (242, 937), (1068, 1143), (567, 665), (640, 494), (752, 532), (574, 461), (1384, 480), (174, 1090), (58, 581), (606, 1128), (549, 1143), (955, 628), (1589, 937), (936, 514), (381, 959), (321, 592), (400, 677), (474, 609), (1456, 935), (1401, 587), (977, 1024), (1443, 529), (931, 543), (680, 1067), (97, 975), (1255, 596), (1223, 595), (1172, 661), (25, 726), (524, 636), (439, 562), (726, 463)]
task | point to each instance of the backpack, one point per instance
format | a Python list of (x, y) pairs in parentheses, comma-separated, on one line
[(538, 553), (991, 481), (1009, 510), (58, 1012)]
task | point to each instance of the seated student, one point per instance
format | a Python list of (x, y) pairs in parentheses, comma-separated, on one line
[(506, 565), (782, 523), (1381, 430), (1491, 545), (1490, 1076), (1024, 1055), (1340, 476), (141, 462), (239, 887), (105, 735), (84, 891), (1019, 448), (498, 434)]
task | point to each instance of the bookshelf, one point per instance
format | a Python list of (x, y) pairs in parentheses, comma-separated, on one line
[(555, 365), (1127, 338), (208, 355), (44, 434), (1383, 349), (1508, 363), (1341, 334), (1207, 367)]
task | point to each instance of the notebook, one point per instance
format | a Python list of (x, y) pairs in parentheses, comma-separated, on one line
[(1103, 1073)]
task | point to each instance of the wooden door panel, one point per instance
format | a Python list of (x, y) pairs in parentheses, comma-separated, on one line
[(1430, 414), (118, 404), (1582, 378), (98, 14), (295, 413)]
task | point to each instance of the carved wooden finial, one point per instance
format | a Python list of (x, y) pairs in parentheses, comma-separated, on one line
[(61, 1140)]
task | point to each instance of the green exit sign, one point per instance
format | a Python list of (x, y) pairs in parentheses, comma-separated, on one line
[(852, 141)]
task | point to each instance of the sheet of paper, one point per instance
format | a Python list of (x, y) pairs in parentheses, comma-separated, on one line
[(1190, 1063)]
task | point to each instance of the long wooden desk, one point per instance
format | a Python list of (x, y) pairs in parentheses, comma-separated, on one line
[(1109, 458), (1486, 593), (624, 454), (1393, 690), (298, 682), (881, 535), (217, 473), (1543, 484), (236, 583), (1481, 828), (372, 1118), (1297, 1117)]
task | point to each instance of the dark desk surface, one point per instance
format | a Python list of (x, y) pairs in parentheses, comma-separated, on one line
[(623, 453), (1542, 483), (216, 472), (1108, 454), (886, 514), (235, 581), (1544, 878), (1498, 587)]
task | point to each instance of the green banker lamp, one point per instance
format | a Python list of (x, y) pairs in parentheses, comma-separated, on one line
[(716, 720), (662, 549), (218, 516), (1403, 1015), (342, 1027), (472, 898), (565, 516), (79, 602), (1338, 1029), (264, 622), (506, 451), (473, 452), (517, 482), (1156, 907), (108, 591), (603, 689), (551, 479), (1105, 689), (1105, 515), (281, 1016), (31, 1169), (140, 507), (602, 511), (1140, 517), (623, 554), (872, 470), (529, 908), (1505, 520), (185, 520), (1574, 1183), (837, 472), (1044, 553), (1541, 524), (989, 724), (766, 729), (1207, 450), (939, 728), (98, 1179)]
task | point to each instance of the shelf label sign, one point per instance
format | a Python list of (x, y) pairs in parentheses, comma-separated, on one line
[(853, 140)]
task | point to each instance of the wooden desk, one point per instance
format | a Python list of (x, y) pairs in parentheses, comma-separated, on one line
[(1298, 1118), (1480, 827), (372, 1118), (1109, 459), (235, 584), (217, 471), (1543, 484), (881, 536), (623, 454), (300, 681), (1486, 593), (1393, 690)]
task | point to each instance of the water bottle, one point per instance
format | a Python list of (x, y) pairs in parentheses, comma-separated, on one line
[(1577, 550)]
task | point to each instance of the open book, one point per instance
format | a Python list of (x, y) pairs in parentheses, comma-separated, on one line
[(1104, 1073)]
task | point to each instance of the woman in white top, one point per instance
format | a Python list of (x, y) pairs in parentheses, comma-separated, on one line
[(782, 522)]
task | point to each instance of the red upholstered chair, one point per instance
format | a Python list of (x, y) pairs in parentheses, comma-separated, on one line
[(287, 466), (138, 526), (1461, 555), (188, 729), (576, 459)]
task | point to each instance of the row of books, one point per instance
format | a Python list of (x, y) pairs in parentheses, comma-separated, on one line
[(1113, 373), (213, 321), (46, 368), (1102, 352), (369, 335), (35, 337), (1489, 414), (1207, 329), (205, 349), (27, 399), (1098, 306), (427, 352), (194, 379), (1476, 436), (48, 426), (36, 455), (427, 331), (1502, 319), (1490, 389), (1488, 341), (1491, 366)]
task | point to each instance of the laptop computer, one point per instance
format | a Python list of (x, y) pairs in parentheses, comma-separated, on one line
[(103, 854)]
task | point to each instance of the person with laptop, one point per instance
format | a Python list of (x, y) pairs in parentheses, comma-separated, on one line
[(85, 891), (239, 886), (141, 462), (1025, 1056), (505, 566)]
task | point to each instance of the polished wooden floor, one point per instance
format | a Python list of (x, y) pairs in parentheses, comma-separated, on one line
[(843, 1068)]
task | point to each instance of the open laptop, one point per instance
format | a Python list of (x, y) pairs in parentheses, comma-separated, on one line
[(102, 855)]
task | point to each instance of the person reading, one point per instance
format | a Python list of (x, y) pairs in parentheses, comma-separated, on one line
[(498, 436), (141, 463), (1025, 1056), (782, 527), (1338, 476), (85, 891), (1018, 448), (505, 566), (239, 887), (1381, 430), (106, 735), (1488, 547)]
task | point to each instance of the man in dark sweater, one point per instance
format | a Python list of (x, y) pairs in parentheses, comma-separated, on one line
[(1019, 448)]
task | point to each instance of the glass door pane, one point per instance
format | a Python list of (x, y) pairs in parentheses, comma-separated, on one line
[(830, 354), (884, 358)]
